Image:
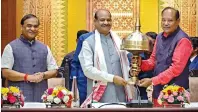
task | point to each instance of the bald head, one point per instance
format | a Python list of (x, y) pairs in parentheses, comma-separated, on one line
[(100, 11), (176, 12)]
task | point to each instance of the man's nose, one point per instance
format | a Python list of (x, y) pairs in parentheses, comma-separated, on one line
[(166, 23), (105, 22), (33, 28)]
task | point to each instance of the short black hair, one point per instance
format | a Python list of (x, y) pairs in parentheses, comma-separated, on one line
[(153, 35), (80, 32), (194, 41), (96, 13), (27, 17), (177, 15)]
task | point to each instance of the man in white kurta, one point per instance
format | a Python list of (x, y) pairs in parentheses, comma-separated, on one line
[(101, 61)]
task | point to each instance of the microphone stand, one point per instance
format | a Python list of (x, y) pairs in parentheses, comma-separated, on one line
[(138, 94)]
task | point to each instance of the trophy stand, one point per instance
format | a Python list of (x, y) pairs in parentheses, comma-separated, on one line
[(136, 43), (135, 69)]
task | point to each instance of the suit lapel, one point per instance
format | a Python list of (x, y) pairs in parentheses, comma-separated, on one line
[(194, 64)]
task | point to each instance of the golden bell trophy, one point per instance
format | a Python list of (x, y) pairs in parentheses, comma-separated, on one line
[(136, 43)]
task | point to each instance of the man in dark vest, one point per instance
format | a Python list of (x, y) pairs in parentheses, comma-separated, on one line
[(66, 63), (170, 56), (27, 63)]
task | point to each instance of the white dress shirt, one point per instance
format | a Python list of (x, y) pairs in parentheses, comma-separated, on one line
[(191, 59)]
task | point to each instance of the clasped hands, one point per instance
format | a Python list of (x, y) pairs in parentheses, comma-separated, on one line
[(145, 82), (37, 77), (133, 72), (142, 83)]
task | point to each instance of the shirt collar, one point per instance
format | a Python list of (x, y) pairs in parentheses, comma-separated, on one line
[(164, 34), (191, 59), (108, 35), (26, 41)]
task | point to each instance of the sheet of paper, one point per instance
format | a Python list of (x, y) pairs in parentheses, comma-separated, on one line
[(191, 105), (34, 105), (108, 105)]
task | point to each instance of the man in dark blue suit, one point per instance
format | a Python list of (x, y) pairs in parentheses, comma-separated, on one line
[(76, 69), (194, 56)]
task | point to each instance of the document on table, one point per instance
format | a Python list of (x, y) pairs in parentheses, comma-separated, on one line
[(34, 105), (191, 105), (109, 105)]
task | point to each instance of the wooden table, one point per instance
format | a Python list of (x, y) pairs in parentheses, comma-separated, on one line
[(101, 110)]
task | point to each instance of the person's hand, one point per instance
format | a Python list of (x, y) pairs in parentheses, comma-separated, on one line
[(31, 78), (39, 76), (145, 82), (119, 80)]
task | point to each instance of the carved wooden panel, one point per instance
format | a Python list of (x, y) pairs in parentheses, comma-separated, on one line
[(188, 14), (53, 24), (123, 11), (42, 9)]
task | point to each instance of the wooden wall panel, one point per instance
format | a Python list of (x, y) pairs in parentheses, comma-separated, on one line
[(123, 14), (8, 22), (188, 14), (53, 28)]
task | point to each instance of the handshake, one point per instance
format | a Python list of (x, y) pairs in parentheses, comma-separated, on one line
[(37, 77)]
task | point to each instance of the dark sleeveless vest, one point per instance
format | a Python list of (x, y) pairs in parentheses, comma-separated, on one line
[(164, 52), (29, 59)]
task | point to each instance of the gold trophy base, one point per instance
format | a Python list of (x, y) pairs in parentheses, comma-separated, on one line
[(132, 80)]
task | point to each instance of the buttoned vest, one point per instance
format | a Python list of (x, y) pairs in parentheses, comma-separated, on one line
[(164, 52), (29, 58)]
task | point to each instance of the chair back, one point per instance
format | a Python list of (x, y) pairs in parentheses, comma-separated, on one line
[(193, 84)]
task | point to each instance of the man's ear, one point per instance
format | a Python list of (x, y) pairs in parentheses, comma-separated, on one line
[(21, 27), (178, 21), (94, 21)]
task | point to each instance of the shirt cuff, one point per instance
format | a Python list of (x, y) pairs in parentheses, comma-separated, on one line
[(53, 67), (110, 78), (6, 67)]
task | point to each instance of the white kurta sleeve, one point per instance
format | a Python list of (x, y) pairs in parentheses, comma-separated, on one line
[(7, 60), (86, 57), (51, 63)]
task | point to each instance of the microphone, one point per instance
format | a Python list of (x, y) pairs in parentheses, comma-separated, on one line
[(93, 89)]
